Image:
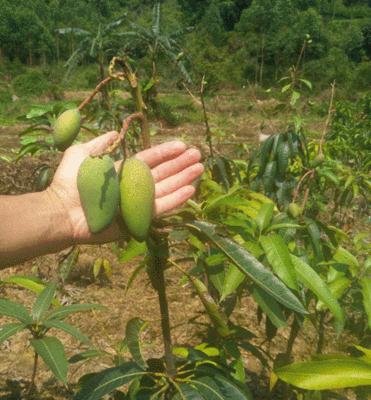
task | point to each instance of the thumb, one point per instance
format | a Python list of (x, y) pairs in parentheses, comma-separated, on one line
[(98, 145)]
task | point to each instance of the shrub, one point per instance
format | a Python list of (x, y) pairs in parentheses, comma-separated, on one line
[(30, 83)]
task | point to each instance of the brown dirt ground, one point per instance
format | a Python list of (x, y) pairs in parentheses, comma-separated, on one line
[(107, 328)]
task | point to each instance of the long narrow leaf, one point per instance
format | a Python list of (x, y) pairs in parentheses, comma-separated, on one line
[(309, 277), (133, 329), (279, 258), (248, 264), (9, 330), (270, 307), (51, 350), (64, 311), (106, 381), (366, 294), (14, 310), (70, 329), (327, 374), (43, 301)]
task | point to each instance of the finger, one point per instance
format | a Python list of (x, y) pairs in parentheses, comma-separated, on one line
[(97, 146), (173, 200), (169, 168), (161, 153), (179, 180)]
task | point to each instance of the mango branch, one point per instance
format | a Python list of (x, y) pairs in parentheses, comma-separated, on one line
[(126, 73), (98, 88), (328, 119)]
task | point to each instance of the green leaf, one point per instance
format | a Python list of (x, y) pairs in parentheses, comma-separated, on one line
[(141, 266), (315, 236), (255, 270), (232, 280), (366, 294), (283, 154), (218, 387), (14, 310), (29, 282), (187, 392), (51, 350), (132, 250), (132, 334), (307, 83), (279, 258), (337, 288), (64, 311), (270, 307), (71, 330), (264, 216), (295, 96), (327, 374), (65, 266), (6, 331), (309, 277), (86, 355), (43, 301), (344, 257), (106, 381), (97, 266)]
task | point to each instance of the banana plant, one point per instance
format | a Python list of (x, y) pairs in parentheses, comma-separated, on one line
[(38, 322)]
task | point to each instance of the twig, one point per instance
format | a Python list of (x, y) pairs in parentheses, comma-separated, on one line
[(125, 127), (297, 189), (328, 119), (194, 98), (96, 90), (206, 119)]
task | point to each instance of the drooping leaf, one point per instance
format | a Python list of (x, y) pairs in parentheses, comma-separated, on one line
[(366, 295), (337, 288), (132, 334), (14, 310), (327, 374), (8, 330), (279, 258), (106, 381), (315, 236), (248, 264), (43, 301), (133, 249), (217, 387), (51, 350), (309, 277), (270, 307), (70, 329)]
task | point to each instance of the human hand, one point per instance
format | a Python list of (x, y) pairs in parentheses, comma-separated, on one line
[(173, 167)]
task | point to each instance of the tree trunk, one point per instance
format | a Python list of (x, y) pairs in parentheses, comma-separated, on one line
[(261, 59)]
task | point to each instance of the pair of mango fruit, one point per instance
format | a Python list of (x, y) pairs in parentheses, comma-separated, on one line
[(103, 191)]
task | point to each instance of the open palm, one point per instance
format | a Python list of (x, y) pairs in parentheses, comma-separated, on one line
[(173, 167)]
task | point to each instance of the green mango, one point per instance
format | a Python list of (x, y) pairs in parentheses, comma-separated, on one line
[(137, 191), (98, 186), (294, 210), (66, 128)]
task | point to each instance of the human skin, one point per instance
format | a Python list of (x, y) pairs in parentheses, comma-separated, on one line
[(45, 222)]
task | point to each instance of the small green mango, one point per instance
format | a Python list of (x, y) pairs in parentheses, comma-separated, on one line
[(294, 210), (318, 160), (98, 186), (66, 128), (137, 190)]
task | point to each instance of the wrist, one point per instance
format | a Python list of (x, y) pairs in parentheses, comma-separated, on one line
[(61, 229)]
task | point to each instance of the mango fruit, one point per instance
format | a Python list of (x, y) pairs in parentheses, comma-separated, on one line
[(318, 160), (66, 128), (294, 210), (98, 186), (137, 195)]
